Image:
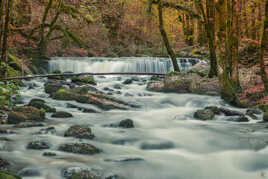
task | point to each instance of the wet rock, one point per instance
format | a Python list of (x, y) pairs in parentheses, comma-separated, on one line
[(62, 114), (124, 141), (40, 104), (79, 131), (128, 81), (124, 159), (7, 175), (24, 114), (127, 123), (84, 89), (215, 109), (107, 89), (80, 173), (3, 131), (135, 78), (86, 79), (253, 112), (204, 114), (241, 119), (117, 86), (5, 139), (229, 112), (38, 145), (4, 164), (52, 87), (30, 172), (49, 130), (265, 117), (128, 94), (79, 148), (29, 124), (49, 154), (83, 109), (157, 145)]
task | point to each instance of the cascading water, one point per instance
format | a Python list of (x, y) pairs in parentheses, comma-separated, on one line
[(97, 65), (166, 143)]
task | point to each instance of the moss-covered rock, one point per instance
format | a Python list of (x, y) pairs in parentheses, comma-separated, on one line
[(7, 175), (79, 131), (24, 114), (64, 95), (40, 104), (52, 87), (79, 148), (86, 79), (204, 115)]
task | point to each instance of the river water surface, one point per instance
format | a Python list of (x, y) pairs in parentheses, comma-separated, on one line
[(166, 143)]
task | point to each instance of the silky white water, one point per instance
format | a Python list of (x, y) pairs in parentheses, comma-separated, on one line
[(183, 147)]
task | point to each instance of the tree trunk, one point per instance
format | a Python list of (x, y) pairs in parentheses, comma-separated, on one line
[(165, 38), (263, 47), (5, 36), (210, 28)]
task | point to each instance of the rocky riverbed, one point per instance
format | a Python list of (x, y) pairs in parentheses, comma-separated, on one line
[(118, 127)]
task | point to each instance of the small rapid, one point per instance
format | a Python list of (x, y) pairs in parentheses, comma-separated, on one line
[(166, 143)]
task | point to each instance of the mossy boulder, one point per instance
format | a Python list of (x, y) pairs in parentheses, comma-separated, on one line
[(24, 114), (64, 95), (86, 79), (52, 87), (79, 148), (56, 77), (40, 104), (204, 114), (7, 175)]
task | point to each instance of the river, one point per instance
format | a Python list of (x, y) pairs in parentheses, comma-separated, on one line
[(166, 143)]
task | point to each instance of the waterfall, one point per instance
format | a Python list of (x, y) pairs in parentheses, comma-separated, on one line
[(125, 64)]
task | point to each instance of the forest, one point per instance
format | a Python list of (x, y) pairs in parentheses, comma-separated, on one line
[(141, 88)]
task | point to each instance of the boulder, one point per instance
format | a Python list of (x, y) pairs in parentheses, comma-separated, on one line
[(4, 164), (204, 114), (229, 112), (49, 154), (79, 131), (80, 173), (79, 148), (61, 114), (64, 95), (25, 114), (242, 119), (215, 109), (40, 104), (38, 145)]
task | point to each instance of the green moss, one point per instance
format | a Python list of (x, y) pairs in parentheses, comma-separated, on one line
[(7, 175), (87, 79), (173, 73), (65, 95)]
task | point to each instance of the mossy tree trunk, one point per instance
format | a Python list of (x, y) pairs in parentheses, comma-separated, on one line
[(228, 92), (5, 37), (165, 37), (263, 47)]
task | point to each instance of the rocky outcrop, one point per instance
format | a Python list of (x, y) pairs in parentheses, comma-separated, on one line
[(25, 114), (192, 81), (79, 148), (79, 131)]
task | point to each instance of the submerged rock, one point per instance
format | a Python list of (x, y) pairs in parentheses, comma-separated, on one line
[(49, 154), (204, 114), (156, 145), (38, 145), (79, 148), (49, 130), (24, 114), (61, 114), (30, 172), (80, 173), (124, 159), (29, 124), (79, 131), (253, 112), (229, 112), (265, 117), (4, 164)]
